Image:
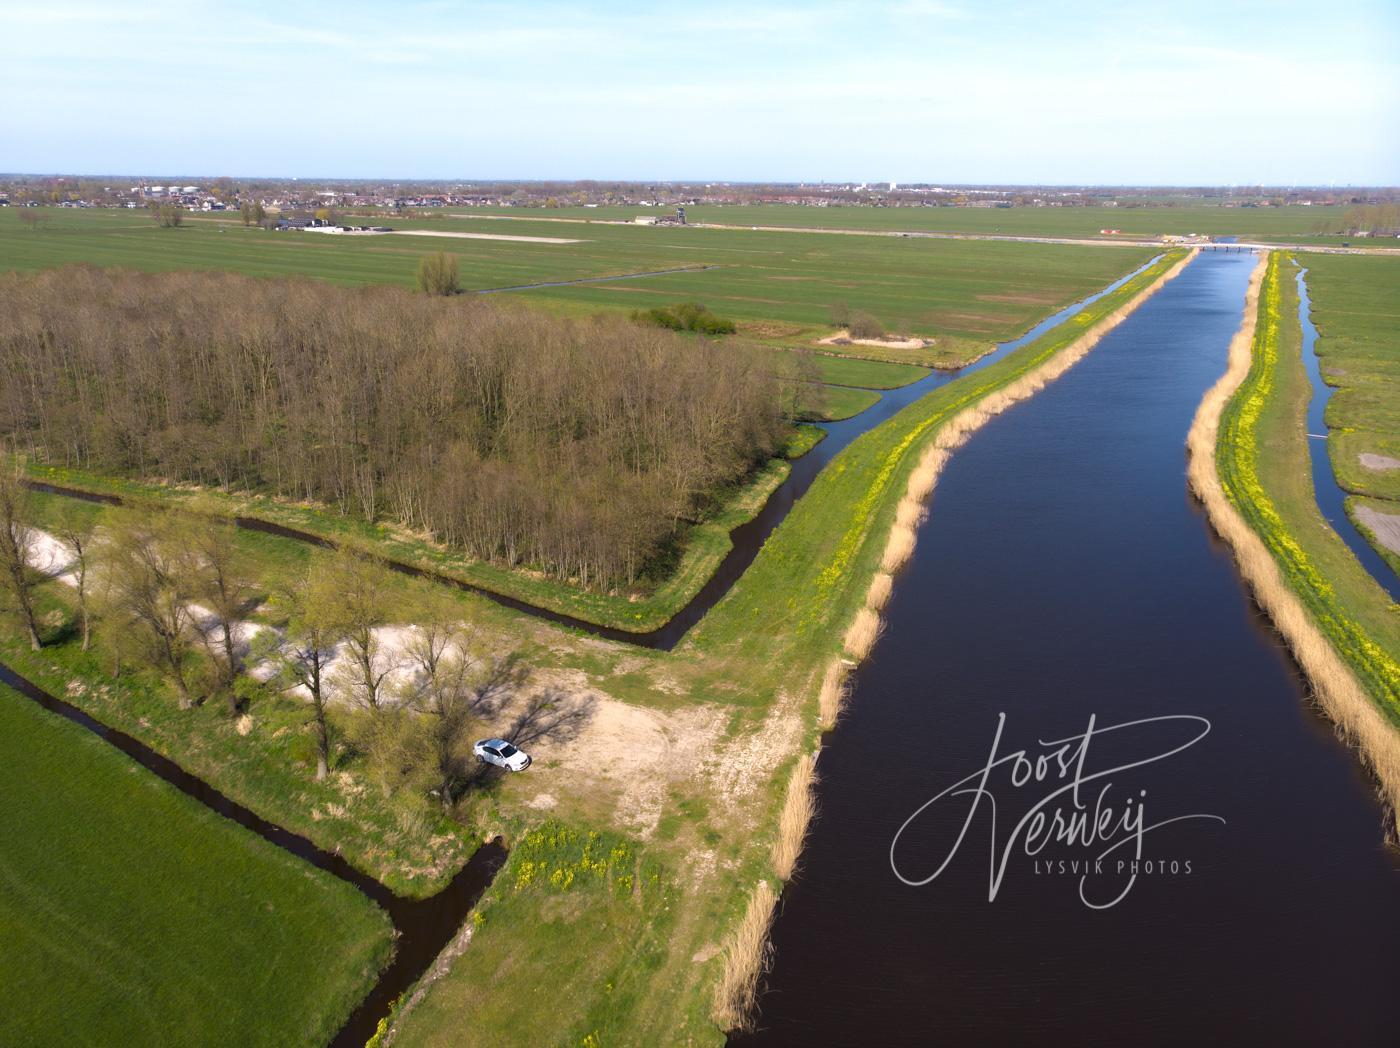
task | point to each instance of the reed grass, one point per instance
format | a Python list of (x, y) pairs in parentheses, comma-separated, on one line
[(831, 699), (881, 586), (799, 807), (1336, 687), (864, 632), (747, 955)]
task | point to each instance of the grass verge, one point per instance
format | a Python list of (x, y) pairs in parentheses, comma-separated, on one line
[(583, 906)]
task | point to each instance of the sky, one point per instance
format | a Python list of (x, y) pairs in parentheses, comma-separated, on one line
[(1160, 92)]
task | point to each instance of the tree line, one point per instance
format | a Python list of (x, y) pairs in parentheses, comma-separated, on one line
[(577, 447)]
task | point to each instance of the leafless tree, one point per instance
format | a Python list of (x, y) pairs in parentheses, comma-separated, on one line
[(579, 448), (151, 574), (221, 582), (303, 651), (74, 527), (17, 546)]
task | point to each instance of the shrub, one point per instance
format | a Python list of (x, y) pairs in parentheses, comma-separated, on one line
[(686, 316), (863, 325), (437, 274)]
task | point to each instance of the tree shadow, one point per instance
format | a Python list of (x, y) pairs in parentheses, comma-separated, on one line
[(553, 715)]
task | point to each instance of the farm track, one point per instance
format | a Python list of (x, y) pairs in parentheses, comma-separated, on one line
[(918, 234), (423, 927)]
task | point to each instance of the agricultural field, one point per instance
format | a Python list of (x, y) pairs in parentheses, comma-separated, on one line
[(779, 287), (135, 916), (1356, 308), (1291, 223), (1265, 469)]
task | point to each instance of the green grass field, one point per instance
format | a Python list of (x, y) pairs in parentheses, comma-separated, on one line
[(589, 911), (1296, 223), (1356, 307), (1265, 470), (778, 286), (133, 915)]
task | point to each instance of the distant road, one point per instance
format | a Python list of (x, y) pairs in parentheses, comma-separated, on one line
[(1325, 249)]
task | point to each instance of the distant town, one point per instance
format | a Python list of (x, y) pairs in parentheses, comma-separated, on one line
[(224, 194)]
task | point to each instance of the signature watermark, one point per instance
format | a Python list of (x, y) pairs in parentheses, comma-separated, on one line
[(1069, 803)]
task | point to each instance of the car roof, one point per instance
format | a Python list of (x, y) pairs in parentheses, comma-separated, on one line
[(493, 742)]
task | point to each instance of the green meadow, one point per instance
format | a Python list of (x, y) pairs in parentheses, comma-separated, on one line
[(133, 915), (1356, 308), (778, 286), (1294, 222)]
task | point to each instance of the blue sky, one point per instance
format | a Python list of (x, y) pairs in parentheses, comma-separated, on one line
[(1177, 92)]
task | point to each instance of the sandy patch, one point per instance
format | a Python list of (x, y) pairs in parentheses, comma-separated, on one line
[(627, 755), (1380, 463), (51, 556), (843, 338), (1385, 526), (483, 236)]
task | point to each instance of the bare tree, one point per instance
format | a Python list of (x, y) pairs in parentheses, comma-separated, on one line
[(303, 653), (220, 581), (17, 545), (167, 216), (354, 588), (151, 575), (74, 527), (450, 689)]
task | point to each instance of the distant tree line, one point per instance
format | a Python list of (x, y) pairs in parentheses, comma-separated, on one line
[(1375, 219), (578, 447)]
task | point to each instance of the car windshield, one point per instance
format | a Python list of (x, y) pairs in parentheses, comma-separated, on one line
[(508, 750)]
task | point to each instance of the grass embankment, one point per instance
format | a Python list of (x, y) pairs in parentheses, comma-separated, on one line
[(859, 372), (134, 915), (1255, 479), (562, 949), (833, 403), (1356, 308)]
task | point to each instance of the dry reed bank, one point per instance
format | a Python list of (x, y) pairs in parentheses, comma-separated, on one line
[(1249, 465)]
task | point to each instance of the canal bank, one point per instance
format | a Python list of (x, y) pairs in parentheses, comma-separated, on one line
[(1065, 574)]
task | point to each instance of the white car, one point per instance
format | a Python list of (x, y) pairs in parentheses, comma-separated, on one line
[(502, 754)]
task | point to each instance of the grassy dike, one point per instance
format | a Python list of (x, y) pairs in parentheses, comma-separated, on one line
[(1250, 466), (134, 915)]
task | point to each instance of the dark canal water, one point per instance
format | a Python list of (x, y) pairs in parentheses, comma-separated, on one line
[(1064, 574)]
